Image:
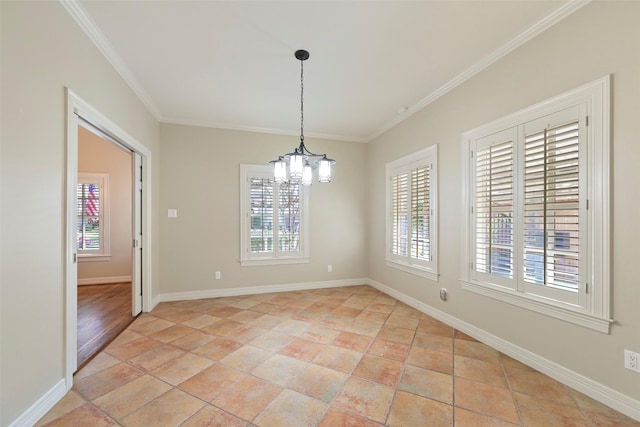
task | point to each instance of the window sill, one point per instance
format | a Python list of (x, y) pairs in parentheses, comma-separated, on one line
[(417, 270), (541, 306), (93, 258), (272, 261)]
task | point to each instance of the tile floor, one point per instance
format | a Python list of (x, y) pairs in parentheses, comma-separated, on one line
[(349, 356)]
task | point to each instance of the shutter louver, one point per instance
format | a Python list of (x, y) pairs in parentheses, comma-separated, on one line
[(494, 210), (551, 207)]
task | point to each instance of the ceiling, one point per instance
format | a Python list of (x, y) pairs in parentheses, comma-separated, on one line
[(231, 64)]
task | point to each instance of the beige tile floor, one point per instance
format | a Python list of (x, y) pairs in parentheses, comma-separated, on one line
[(349, 356)]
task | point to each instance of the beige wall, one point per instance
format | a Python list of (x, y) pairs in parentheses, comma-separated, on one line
[(602, 38), (95, 155), (42, 51), (201, 179)]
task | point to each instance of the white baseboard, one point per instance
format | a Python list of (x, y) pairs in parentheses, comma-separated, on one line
[(251, 290), (612, 398), (42, 406), (104, 280)]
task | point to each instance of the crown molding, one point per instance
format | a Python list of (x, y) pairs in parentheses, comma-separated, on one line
[(227, 126), (79, 14), (536, 29)]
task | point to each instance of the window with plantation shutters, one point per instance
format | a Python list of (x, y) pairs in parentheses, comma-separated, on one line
[(537, 224), (92, 215), (274, 224), (411, 224)]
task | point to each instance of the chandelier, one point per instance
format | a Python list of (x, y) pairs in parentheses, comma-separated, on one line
[(295, 166)]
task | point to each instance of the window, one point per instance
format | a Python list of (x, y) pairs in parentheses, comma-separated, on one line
[(412, 215), (538, 209), (274, 219), (93, 216)]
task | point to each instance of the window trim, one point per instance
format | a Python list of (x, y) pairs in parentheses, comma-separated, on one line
[(423, 157), (246, 258), (595, 311), (104, 254)]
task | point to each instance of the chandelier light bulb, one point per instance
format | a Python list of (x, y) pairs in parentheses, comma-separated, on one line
[(280, 171), (307, 175), (324, 170)]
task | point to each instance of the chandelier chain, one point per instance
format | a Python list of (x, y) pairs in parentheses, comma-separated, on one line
[(302, 100)]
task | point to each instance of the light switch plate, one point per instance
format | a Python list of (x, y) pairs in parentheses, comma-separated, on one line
[(172, 213)]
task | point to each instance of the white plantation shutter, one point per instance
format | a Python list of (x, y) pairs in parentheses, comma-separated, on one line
[(421, 213), (400, 214), (261, 214), (552, 204), (494, 207), (289, 217), (411, 243)]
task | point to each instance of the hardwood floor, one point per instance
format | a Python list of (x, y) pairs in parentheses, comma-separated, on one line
[(103, 312)]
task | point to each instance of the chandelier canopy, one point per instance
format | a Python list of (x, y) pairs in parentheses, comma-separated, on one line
[(295, 166)]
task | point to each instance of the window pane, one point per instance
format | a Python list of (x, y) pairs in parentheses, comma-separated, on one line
[(261, 212)]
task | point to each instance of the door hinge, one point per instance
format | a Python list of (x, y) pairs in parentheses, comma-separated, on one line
[(586, 120), (471, 265), (586, 287), (587, 204), (75, 258)]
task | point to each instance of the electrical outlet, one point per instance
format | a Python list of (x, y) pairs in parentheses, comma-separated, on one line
[(329, 268), (443, 294), (632, 360), (218, 275)]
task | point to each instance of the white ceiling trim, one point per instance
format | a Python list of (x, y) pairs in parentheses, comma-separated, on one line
[(496, 55), (261, 130), (79, 14)]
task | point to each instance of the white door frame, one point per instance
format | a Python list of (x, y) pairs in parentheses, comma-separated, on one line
[(76, 107)]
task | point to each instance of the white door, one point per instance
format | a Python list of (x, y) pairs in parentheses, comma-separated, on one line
[(136, 287)]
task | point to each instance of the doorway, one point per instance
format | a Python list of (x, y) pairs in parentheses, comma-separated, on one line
[(105, 235), (94, 228)]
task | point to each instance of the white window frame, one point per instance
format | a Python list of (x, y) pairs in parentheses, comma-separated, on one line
[(104, 253), (247, 258), (426, 269), (591, 307)]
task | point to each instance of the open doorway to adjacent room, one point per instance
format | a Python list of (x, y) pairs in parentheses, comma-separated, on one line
[(105, 230), (108, 215)]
